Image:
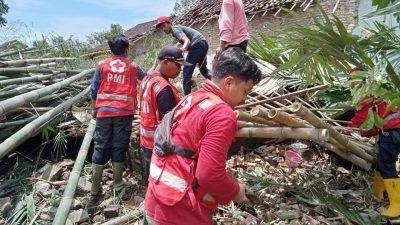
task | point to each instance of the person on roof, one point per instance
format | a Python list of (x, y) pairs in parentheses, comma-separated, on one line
[(188, 178), (113, 93), (194, 43), (233, 26), (158, 96), (385, 176)]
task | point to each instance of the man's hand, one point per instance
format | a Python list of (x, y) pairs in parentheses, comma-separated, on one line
[(241, 196), (94, 113), (94, 110), (218, 52)]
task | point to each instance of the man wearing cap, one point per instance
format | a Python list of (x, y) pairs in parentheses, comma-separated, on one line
[(158, 96), (233, 26), (113, 93), (193, 42)]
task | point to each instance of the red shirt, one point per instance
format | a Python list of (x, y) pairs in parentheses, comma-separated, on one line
[(361, 115), (211, 134)]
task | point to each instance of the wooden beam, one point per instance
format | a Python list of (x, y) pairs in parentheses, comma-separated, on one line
[(336, 6)]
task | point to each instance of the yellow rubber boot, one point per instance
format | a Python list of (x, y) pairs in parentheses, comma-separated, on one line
[(393, 190), (378, 187)]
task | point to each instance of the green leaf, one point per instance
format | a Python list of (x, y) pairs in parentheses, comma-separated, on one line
[(369, 122), (393, 104)]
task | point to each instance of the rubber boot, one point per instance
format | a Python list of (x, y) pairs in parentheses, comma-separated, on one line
[(118, 169), (96, 190), (378, 187), (393, 189)]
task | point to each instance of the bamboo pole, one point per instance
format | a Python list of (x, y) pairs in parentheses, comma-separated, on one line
[(13, 71), (129, 217), (289, 95), (14, 52), (28, 130), (23, 99), (56, 96), (17, 122), (362, 163), (279, 117), (14, 92), (24, 80), (244, 116), (306, 114), (69, 192), (314, 134), (24, 62)]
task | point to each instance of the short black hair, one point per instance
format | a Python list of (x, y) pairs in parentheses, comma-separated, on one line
[(234, 61), (118, 44)]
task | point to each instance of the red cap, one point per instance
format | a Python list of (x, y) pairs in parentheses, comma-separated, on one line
[(161, 20)]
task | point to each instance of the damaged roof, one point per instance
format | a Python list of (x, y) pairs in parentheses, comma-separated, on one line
[(206, 10)]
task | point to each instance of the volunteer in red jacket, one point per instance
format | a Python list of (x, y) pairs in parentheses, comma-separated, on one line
[(113, 92), (385, 177), (158, 96), (185, 186)]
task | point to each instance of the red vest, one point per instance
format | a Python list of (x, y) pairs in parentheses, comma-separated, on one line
[(171, 177), (118, 83), (151, 86)]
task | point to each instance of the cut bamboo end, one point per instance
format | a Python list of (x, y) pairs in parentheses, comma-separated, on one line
[(259, 112), (244, 116)]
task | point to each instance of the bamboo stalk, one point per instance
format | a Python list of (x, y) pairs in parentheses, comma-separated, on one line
[(129, 217), (279, 117), (28, 130), (10, 71), (244, 116), (14, 52), (17, 122), (24, 80), (314, 134), (347, 155), (55, 96), (24, 62), (14, 92), (23, 99), (69, 192), (289, 95), (306, 114)]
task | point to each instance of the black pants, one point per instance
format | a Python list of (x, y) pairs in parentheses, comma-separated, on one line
[(111, 139), (197, 55), (146, 159), (389, 149), (242, 45)]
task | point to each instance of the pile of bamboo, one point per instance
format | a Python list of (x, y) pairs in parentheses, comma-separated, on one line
[(34, 92), (299, 122)]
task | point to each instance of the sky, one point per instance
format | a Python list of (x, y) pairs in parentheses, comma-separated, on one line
[(29, 19)]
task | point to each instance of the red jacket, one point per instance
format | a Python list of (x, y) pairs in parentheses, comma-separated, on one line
[(381, 108), (117, 90), (204, 123), (151, 86)]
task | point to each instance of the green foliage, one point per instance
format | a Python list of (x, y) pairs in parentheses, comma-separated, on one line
[(98, 38), (323, 53), (386, 7), (24, 212), (3, 10)]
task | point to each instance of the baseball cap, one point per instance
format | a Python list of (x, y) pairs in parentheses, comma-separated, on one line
[(161, 20), (174, 54)]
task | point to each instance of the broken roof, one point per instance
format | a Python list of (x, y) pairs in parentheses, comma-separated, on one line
[(206, 10)]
